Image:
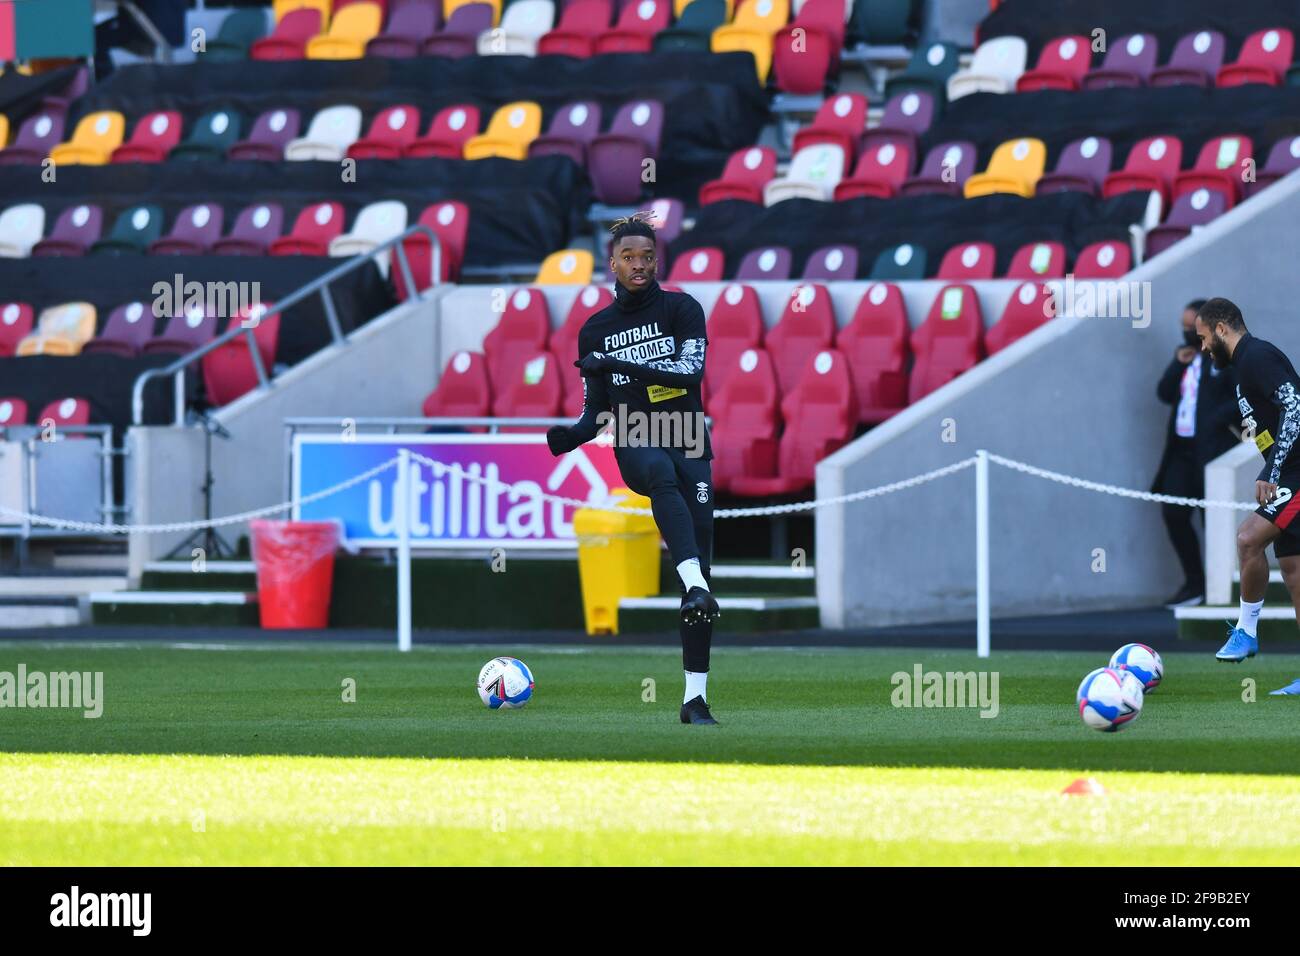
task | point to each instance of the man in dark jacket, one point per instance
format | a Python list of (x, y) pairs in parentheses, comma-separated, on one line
[(1202, 426)]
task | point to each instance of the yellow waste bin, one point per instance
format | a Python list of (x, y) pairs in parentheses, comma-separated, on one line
[(618, 556)]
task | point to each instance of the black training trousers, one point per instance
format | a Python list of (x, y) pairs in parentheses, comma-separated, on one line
[(680, 490)]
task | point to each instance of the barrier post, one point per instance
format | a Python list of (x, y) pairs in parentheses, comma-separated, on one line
[(982, 553), (402, 513)]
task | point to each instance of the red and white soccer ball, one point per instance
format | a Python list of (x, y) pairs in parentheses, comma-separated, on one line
[(505, 683), (1109, 699), (1143, 661)]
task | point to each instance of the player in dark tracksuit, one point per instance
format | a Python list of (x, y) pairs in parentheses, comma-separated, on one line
[(642, 361), (1268, 397)]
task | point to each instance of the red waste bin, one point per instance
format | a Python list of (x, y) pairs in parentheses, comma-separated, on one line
[(295, 571)]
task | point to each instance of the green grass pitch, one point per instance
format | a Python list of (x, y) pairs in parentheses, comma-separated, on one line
[(250, 755)]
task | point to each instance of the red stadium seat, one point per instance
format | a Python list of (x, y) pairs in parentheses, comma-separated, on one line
[(463, 391), (228, 371), (697, 265), (734, 326), (1104, 260), (806, 327), (521, 333), (1152, 165), (64, 412), (288, 41), (451, 129), (533, 390), (575, 35), (449, 221), (312, 231), (391, 133), (1031, 305), (636, 27), (881, 172), (803, 67), (746, 415), (1038, 260), (948, 342), (875, 345), (13, 411), (1219, 167), (16, 320), (1062, 65), (841, 121), (152, 139), (968, 261), (746, 173), (1264, 58), (563, 343)]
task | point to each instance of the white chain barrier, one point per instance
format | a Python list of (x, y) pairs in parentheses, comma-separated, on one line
[(763, 511)]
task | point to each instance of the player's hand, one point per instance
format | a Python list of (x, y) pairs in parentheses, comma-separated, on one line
[(559, 438), (595, 363), (1265, 492), (1185, 354)]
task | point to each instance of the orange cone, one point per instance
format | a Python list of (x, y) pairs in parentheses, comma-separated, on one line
[(1085, 787)]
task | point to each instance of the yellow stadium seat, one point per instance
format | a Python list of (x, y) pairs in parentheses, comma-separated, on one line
[(284, 6), (756, 23), (566, 267), (4, 131), (94, 140), (512, 128), (1015, 168), (61, 330), (353, 27), (449, 5)]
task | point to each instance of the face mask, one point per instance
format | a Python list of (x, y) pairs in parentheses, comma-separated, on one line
[(1191, 338)]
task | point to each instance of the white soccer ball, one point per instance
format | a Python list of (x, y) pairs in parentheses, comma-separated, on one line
[(505, 683), (1109, 699), (1143, 662)]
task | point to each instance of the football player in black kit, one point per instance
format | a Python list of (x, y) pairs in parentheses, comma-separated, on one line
[(642, 355), (1268, 397)]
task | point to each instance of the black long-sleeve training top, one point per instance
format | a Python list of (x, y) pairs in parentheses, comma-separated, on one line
[(1268, 396), (658, 341)]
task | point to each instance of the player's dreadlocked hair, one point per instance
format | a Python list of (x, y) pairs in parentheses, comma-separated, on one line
[(637, 224)]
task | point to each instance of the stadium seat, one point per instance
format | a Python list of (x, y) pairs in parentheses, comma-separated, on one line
[(901, 262), (452, 127), (1062, 65), (127, 329), (1195, 61), (331, 132), (944, 172), (60, 330), (747, 172), (228, 370), (77, 87), (132, 232), (635, 30), (235, 37), (806, 52), (494, 8), (282, 7), (566, 267), (746, 414), (521, 333), (535, 390), (255, 228), (93, 141), (411, 25), (1220, 166), (509, 132), (616, 159), (821, 415), (1152, 165), (697, 265), (572, 129), (391, 132), (1129, 62), (735, 324), (313, 230), (1015, 168), (753, 31), (840, 120), (906, 118), (831, 264), (948, 342), (693, 31), (563, 342), (463, 390), (37, 136), (1038, 260), (881, 172), (767, 262), (193, 232), (814, 173), (806, 325), (152, 139), (375, 224), (450, 223), (21, 227), (1082, 167), (271, 133), (928, 70), (74, 232), (460, 31), (352, 27), (575, 35), (995, 68), (64, 413), (212, 136), (183, 333), (13, 411), (875, 345), (1264, 58), (968, 262), (1283, 159), (1108, 259), (15, 324), (1030, 305), (289, 39), (523, 24), (1189, 211), (883, 22)]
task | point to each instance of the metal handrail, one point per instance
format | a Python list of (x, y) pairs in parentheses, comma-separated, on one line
[(319, 284)]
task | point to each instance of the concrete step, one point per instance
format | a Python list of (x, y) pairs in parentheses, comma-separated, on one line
[(1211, 623), (755, 612), (215, 576), (23, 613), (171, 607), (58, 585), (739, 578)]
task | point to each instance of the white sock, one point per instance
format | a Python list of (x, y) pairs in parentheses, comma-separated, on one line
[(695, 684), (689, 572), (1249, 619)]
